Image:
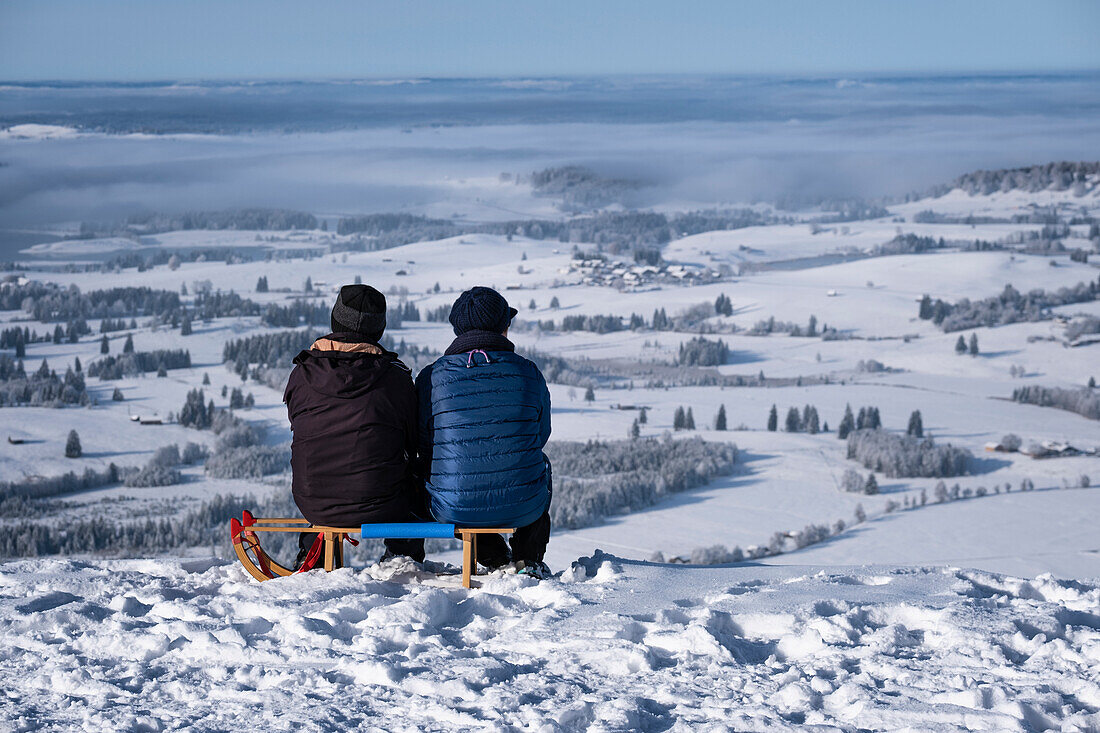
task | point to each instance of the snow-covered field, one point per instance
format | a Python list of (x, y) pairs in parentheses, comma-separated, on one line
[(613, 645), (901, 621)]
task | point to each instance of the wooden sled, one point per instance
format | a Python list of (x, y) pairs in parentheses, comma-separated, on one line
[(329, 545)]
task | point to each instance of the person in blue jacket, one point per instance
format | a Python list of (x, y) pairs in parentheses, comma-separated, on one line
[(484, 418)]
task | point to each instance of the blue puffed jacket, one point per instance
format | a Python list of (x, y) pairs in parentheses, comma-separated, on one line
[(484, 417)]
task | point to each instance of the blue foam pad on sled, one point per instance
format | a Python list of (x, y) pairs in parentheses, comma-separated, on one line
[(408, 530)]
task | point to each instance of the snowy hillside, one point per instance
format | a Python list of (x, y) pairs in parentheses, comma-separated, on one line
[(612, 645)]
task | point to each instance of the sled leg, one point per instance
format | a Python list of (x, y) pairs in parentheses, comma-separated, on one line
[(467, 558), (338, 547), (329, 552)]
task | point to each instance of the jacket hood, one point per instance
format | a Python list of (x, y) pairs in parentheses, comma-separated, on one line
[(345, 368)]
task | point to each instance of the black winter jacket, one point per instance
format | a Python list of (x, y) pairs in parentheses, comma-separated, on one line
[(353, 414)]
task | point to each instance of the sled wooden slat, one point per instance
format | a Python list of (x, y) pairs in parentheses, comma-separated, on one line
[(260, 566)]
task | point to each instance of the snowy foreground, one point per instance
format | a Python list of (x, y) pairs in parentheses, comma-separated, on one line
[(609, 645)]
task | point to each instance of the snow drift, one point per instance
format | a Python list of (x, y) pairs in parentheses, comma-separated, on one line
[(610, 645)]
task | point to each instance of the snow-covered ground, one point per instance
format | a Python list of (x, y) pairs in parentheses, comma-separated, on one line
[(613, 645)]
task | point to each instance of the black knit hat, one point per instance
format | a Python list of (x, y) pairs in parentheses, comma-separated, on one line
[(360, 309), (481, 309)]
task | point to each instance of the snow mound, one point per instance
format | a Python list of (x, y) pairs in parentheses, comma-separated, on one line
[(610, 644)]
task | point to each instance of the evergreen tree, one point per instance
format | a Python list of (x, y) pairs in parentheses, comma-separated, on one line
[(531, 305), (72, 446), (689, 420), (1092, 382), (847, 423), (21, 346), (973, 344), (794, 421), (678, 419), (128, 347), (76, 365), (916, 425), (720, 419), (161, 371), (870, 487), (643, 417), (225, 391), (116, 396), (185, 326), (874, 420), (205, 379), (308, 287), (825, 426), (925, 308), (812, 421), (554, 302), (960, 345), (811, 329), (773, 419), (589, 395), (261, 284), (635, 430), (249, 401)]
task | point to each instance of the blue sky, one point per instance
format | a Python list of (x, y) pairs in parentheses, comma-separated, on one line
[(188, 39)]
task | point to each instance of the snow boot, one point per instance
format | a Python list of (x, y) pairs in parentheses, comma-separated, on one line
[(533, 569)]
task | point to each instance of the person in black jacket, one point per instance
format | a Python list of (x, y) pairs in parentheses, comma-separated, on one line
[(353, 414)]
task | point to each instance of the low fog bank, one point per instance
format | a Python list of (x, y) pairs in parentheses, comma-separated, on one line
[(457, 170)]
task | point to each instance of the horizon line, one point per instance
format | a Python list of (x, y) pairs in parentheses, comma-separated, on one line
[(399, 78)]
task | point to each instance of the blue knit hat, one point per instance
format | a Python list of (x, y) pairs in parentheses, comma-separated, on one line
[(481, 309)]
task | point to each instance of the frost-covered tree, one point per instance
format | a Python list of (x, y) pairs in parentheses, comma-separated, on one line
[(903, 456), (1011, 442), (1082, 400), (72, 446), (773, 419), (720, 418), (852, 481), (940, 492), (916, 425), (161, 371), (861, 515)]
